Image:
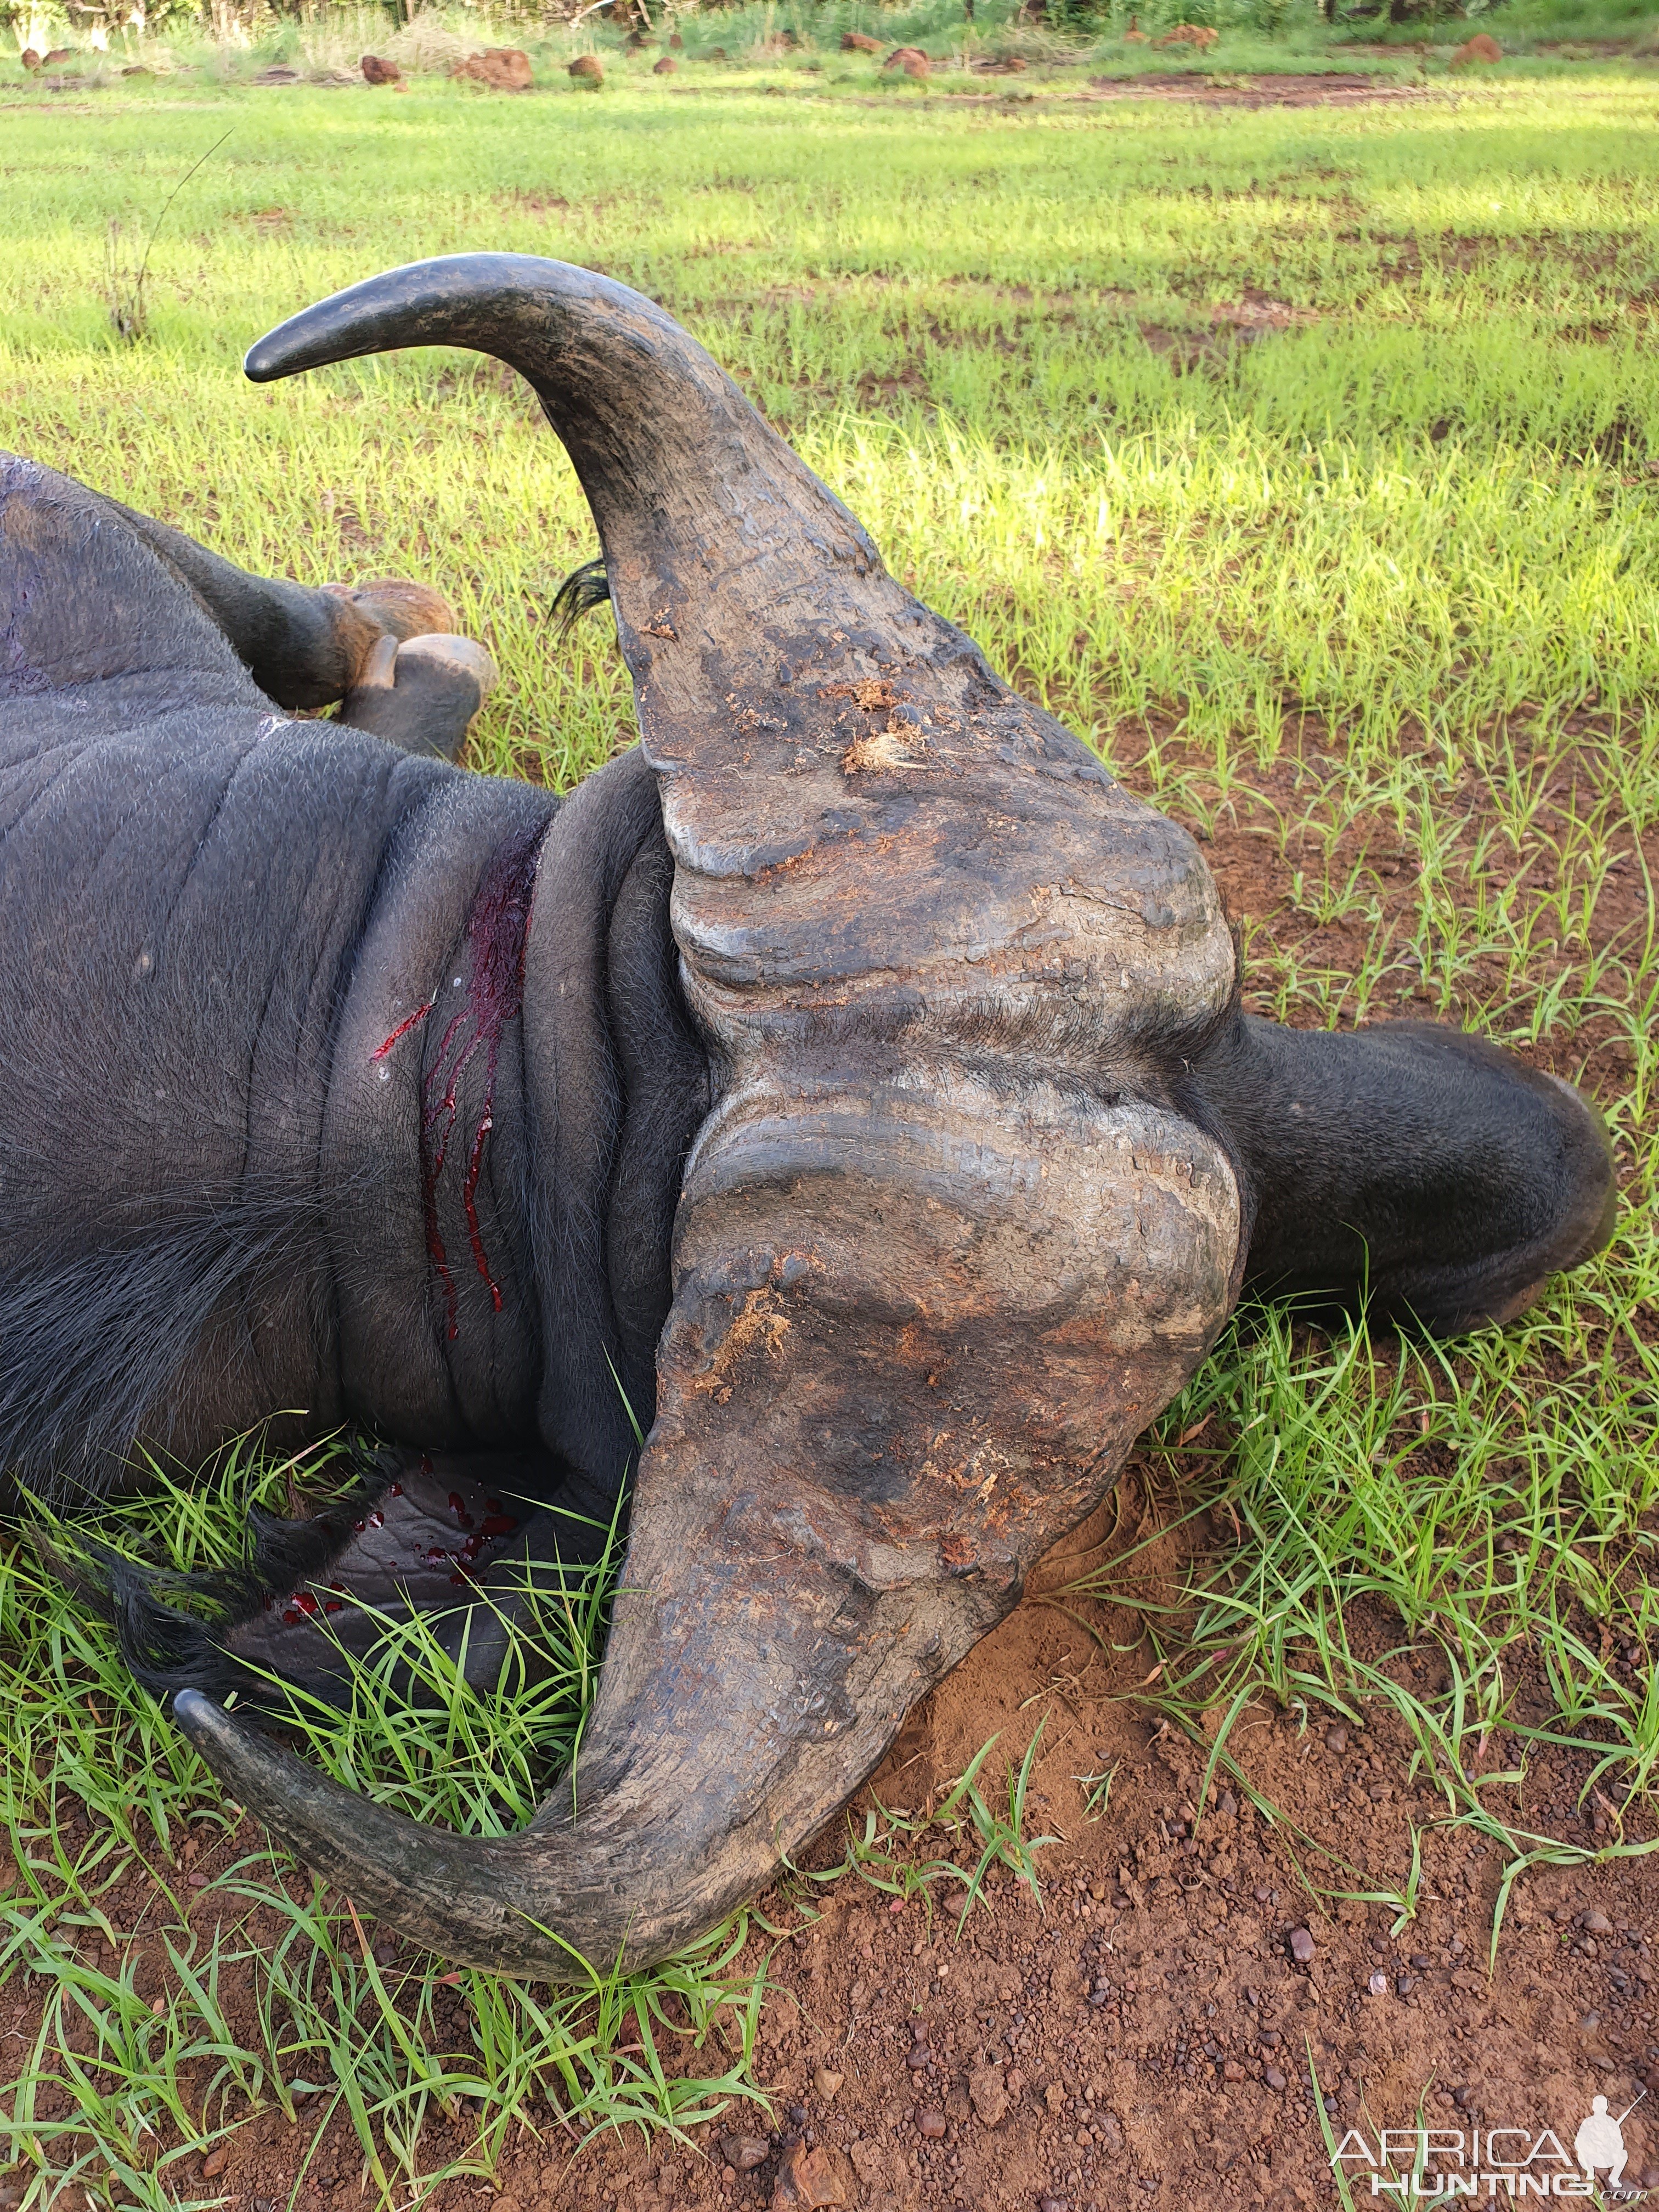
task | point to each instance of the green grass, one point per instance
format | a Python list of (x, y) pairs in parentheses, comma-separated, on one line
[(1307, 461)]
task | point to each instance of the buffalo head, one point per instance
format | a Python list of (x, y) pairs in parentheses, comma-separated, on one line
[(990, 1147)]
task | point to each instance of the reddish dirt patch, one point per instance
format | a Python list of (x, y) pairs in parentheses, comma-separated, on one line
[(1289, 91), (1146, 2035)]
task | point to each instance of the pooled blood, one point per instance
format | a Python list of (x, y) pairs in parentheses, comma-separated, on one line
[(306, 1604), (497, 925), (378, 1520), (499, 1524), (396, 1489)]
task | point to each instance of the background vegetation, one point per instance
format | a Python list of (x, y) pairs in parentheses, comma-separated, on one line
[(1306, 460)]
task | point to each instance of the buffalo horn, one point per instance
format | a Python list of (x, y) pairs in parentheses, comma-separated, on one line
[(943, 1245)]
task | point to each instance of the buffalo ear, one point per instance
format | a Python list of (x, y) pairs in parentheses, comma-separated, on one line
[(1411, 1168)]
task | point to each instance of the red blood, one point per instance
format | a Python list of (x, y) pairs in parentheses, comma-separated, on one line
[(378, 1520), (404, 1028), (500, 1524), (497, 924), (434, 1557), (360, 1526), (291, 1618), (306, 1604), (334, 1605), (455, 1501), (458, 1581), (396, 1491)]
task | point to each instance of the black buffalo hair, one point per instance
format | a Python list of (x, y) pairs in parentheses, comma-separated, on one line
[(95, 1341), (582, 590)]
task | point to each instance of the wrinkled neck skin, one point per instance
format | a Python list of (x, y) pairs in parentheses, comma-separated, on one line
[(537, 1083)]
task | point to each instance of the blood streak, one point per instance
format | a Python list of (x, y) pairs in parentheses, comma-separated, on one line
[(497, 925)]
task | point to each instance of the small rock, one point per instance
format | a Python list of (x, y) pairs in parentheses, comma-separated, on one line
[(745, 2152), (990, 2092), (827, 2084), (215, 2163), (1596, 1923), (1232, 2071), (930, 2124), (1302, 1946), (917, 2057), (810, 2179), (1052, 2204), (1273, 2077), (1336, 1741), (1226, 1804), (1378, 1985)]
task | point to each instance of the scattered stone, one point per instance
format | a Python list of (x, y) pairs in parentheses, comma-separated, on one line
[(585, 70), (745, 2152), (990, 2092), (1482, 47), (215, 2163), (1336, 1741), (812, 2179), (1378, 1985), (1273, 2077), (376, 72), (1232, 2071), (930, 2124), (828, 2084), (666, 67), (1596, 1923), (1302, 1946), (503, 69), (859, 42)]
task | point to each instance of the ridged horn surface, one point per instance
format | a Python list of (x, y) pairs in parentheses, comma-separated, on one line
[(945, 1246)]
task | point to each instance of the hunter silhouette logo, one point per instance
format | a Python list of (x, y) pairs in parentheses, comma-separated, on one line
[(1509, 2163)]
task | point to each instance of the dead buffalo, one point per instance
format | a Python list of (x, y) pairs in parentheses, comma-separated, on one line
[(850, 1080)]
